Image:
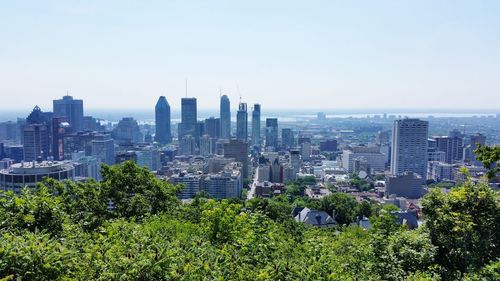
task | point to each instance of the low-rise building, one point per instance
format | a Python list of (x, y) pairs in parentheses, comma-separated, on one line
[(28, 174)]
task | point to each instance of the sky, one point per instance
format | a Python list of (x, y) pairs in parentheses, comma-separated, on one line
[(281, 54)]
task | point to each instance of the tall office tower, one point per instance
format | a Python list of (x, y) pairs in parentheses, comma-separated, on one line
[(36, 135), (242, 123), (103, 149), (225, 118), (36, 142), (238, 150), (212, 127), (189, 118), (256, 125), (272, 133), (60, 127), (452, 146), (295, 162), (162, 121), (71, 109), (287, 139), (409, 147), (2, 150)]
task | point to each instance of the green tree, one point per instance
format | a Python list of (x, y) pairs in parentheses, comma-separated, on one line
[(35, 211), (464, 225), (135, 192), (340, 205), (490, 157)]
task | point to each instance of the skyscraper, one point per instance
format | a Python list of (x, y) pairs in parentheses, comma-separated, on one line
[(162, 121), (189, 118), (71, 109), (256, 125), (60, 127), (242, 123), (452, 146), (225, 117), (409, 147), (103, 149), (36, 142), (287, 138), (36, 135), (272, 132), (212, 127)]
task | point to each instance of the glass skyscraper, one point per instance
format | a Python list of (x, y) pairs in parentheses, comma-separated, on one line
[(72, 109), (189, 118), (162, 121), (256, 125), (225, 117), (242, 123)]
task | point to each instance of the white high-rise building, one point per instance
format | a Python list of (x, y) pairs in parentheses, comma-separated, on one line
[(409, 147)]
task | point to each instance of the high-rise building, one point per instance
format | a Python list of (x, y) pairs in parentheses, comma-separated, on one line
[(127, 131), (60, 127), (242, 123), (256, 125), (409, 147), (189, 118), (287, 139), (36, 142), (103, 149), (238, 150), (295, 162), (212, 127), (187, 145), (452, 146), (36, 135), (272, 133), (469, 155), (162, 121), (225, 117), (72, 109)]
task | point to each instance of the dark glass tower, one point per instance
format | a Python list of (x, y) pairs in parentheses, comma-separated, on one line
[(71, 109), (189, 118), (272, 132), (225, 117), (162, 121), (256, 125), (242, 123)]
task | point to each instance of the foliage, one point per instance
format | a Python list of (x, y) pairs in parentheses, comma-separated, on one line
[(490, 157), (69, 231), (464, 225), (341, 206), (359, 183)]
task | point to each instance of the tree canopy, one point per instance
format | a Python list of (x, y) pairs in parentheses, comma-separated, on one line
[(131, 226)]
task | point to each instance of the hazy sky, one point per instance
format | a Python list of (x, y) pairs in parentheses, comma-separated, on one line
[(282, 54)]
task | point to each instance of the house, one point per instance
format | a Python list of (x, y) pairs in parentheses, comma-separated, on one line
[(408, 218), (314, 217)]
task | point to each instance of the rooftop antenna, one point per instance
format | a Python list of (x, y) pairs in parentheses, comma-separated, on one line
[(186, 88), (67, 92), (220, 91), (238, 88)]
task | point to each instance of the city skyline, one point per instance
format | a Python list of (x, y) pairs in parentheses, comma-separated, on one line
[(124, 55)]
